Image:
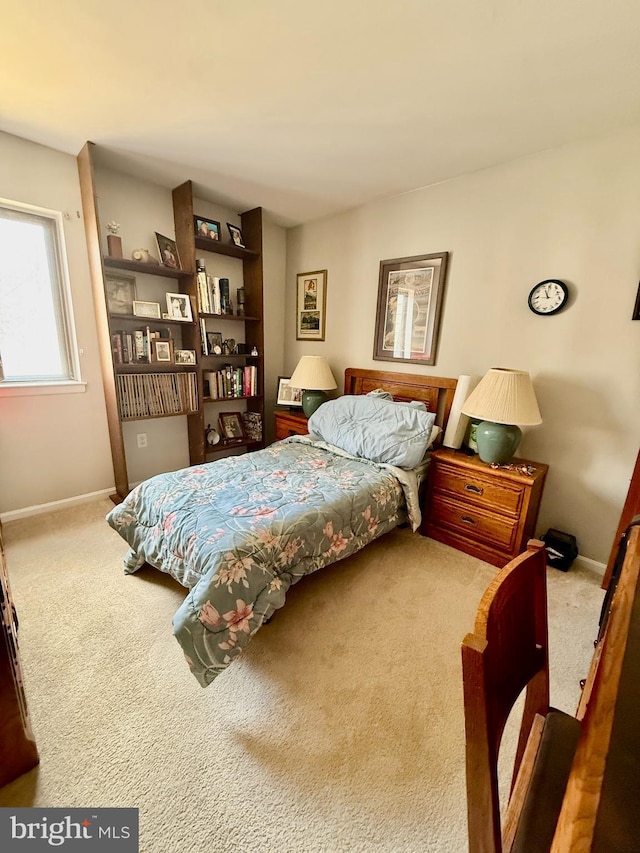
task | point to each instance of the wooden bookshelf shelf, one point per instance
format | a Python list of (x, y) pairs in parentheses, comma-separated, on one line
[(149, 321), (153, 367), (230, 249), (229, 445), (230, 399), (147, 269), (238, 317)]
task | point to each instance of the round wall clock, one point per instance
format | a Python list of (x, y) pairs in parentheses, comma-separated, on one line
[(548, 297)]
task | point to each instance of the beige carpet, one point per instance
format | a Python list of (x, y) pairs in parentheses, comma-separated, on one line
[(340, 729)]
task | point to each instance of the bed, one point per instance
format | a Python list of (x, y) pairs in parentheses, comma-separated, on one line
[(238, 532)]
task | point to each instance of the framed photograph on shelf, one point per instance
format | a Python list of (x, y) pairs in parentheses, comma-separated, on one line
[(168, 251), (179, 307), (214, 341), (231, 426), (207, 228), (288, 395), (311, 305), (162, 351), (147, 309), (121, 292), (185, 356), (236, 235), (410, 294)]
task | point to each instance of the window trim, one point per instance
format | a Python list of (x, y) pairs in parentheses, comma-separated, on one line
[(23, 387)]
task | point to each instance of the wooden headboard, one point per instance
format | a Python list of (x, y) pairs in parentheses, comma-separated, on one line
[(434, 391)]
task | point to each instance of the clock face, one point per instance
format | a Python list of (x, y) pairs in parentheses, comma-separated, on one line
[(548, 297)]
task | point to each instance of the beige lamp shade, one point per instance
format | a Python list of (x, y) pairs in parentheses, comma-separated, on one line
[(503, 396), (314, 374)]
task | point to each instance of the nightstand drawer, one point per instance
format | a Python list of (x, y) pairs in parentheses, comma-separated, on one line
[(290, 423), (476, 489), (472, 523)]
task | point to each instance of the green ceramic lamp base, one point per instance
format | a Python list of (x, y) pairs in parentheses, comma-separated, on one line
[(497, 442), (312, 400)]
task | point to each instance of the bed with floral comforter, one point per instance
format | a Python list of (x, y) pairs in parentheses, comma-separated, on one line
[(240, 531)]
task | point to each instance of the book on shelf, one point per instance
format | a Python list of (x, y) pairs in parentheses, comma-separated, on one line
[(139, 345), (230, 381), (144, 395)]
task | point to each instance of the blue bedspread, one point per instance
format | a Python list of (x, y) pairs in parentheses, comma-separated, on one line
[(240, 531)]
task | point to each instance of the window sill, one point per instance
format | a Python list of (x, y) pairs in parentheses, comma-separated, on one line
[(32, 389)]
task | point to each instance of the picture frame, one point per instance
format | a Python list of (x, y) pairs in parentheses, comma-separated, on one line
[(287, 394), (236, 236), (146, 309), (214, 341), (184, 356), (168, 251), (162, 351), (408, 314), (120, 290), (231, 426), (311, 305), (179, 307), (636, 307), (208, 229)]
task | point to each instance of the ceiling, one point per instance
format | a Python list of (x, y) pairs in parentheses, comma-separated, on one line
[(309, 108)]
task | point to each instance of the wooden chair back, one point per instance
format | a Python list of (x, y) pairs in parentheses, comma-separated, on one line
[(506, 654)]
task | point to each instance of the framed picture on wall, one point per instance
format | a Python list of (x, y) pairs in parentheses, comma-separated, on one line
[(311, 305), (409, 306)]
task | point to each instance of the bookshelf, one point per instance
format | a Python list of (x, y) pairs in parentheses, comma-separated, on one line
[(140, 388)]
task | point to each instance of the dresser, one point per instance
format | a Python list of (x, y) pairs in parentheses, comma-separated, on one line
[(290, 423), (487, 512), (18, 751)]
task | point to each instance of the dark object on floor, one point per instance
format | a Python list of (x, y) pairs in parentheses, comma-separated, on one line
[(561, 548)]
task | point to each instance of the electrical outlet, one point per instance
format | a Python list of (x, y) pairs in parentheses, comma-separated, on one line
[(142, 439)]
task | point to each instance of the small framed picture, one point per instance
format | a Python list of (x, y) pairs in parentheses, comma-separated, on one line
[(185, 356), (168, 251), (214, 339), (207, 228), (161, 351), (236, 235), (121, 293), (311, 305), (231, 426), (147, 309), (179, 307), (287, 394)]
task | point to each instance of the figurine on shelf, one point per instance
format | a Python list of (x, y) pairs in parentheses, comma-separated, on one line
[(114, 243), (254, 351), (143, 256)]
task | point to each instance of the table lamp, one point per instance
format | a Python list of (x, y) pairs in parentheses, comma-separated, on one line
[(502, 399), (314, 375)]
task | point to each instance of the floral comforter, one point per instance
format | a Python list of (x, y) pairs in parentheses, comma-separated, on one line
[(240, 531)]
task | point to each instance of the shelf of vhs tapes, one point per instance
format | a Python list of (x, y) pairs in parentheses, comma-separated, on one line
[(156, 395)]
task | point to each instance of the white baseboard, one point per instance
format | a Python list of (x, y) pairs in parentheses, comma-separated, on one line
[(25, 512), (593, 565)]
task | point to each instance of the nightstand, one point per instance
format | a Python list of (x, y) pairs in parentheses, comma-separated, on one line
[(290, 423), (487, 512)]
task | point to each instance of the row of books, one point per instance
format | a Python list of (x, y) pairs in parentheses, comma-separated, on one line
[(152, 394), (139, 346), (232, 381), (213, 293)]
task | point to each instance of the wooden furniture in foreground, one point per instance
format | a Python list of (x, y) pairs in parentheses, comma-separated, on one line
[(506, 654), (631, 507), (18, 751), (600, 805), (290, 423), (487, 512)]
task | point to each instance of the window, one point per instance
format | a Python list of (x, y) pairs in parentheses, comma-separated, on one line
[(37, 336)]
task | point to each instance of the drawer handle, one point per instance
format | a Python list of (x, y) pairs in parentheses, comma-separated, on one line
[(467, 520), (292, 432), (469, 487)]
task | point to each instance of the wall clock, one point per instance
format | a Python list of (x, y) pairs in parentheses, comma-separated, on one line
[(548, 297)]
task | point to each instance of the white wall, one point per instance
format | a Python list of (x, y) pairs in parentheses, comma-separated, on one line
[(54, 446), (571, 213)]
